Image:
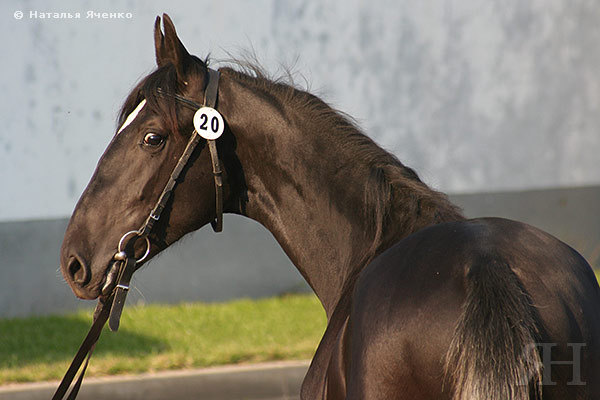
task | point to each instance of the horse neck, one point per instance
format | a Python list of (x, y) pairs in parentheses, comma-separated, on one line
[(311, 191)]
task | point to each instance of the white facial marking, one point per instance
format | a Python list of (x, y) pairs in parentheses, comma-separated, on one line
[(132, 116)]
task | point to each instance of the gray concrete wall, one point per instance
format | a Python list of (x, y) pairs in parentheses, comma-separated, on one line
[(244, 260)]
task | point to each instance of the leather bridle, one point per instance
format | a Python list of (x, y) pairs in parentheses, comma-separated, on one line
[(110, 307)]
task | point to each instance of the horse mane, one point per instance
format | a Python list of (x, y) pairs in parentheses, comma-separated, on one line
[(396, 201), (395, 198)]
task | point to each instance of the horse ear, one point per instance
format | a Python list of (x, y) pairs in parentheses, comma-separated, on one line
[(159, 44), (169, 48)]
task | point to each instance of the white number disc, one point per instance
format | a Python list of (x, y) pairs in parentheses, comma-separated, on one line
[(209, 123)]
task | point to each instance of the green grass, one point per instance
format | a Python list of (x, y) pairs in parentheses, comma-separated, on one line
[(155, 337)]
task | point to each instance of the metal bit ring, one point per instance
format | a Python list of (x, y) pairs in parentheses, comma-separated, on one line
[(121, 252)]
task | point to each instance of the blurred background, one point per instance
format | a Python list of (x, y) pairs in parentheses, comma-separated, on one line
[(495, 102)]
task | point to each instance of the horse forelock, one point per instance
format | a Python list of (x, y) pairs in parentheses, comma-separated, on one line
[(164, 78)]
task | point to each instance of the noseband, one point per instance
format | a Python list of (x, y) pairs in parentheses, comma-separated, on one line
[(111, 307)]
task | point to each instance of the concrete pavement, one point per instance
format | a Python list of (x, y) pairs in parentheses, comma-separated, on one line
[(266, 381)]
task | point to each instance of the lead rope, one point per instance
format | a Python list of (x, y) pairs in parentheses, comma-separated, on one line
[(111, 308), (102, 313), (84, 353)]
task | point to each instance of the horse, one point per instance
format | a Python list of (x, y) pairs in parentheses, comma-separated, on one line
[(421, 302)]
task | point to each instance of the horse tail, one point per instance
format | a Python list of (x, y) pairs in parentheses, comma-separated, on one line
[(493, 354)]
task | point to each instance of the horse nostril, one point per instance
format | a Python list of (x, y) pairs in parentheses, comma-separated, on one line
[(78, 271)]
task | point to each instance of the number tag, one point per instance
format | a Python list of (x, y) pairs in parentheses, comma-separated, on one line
[(208, 123)]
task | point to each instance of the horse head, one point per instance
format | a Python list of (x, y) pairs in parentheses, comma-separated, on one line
[(154, 131)]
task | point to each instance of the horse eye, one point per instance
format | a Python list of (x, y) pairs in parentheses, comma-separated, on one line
[(153, 139)]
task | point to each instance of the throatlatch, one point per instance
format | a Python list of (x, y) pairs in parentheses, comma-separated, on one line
[(209, 125)]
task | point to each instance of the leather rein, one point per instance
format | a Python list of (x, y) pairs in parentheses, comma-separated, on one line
[(109, 308)]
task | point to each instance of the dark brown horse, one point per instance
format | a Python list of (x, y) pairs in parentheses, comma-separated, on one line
[(421, 302)]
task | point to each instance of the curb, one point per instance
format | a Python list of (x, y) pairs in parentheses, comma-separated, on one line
[(265, 381)]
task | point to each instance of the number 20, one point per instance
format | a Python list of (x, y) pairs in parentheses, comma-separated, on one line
[(214, 123)]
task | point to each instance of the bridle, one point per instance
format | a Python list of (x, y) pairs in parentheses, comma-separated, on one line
[(110, 307), (210, 100)]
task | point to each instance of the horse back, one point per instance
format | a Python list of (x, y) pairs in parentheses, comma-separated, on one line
[(472, 283)]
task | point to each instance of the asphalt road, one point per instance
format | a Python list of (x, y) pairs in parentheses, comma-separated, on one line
[(268, 381)]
